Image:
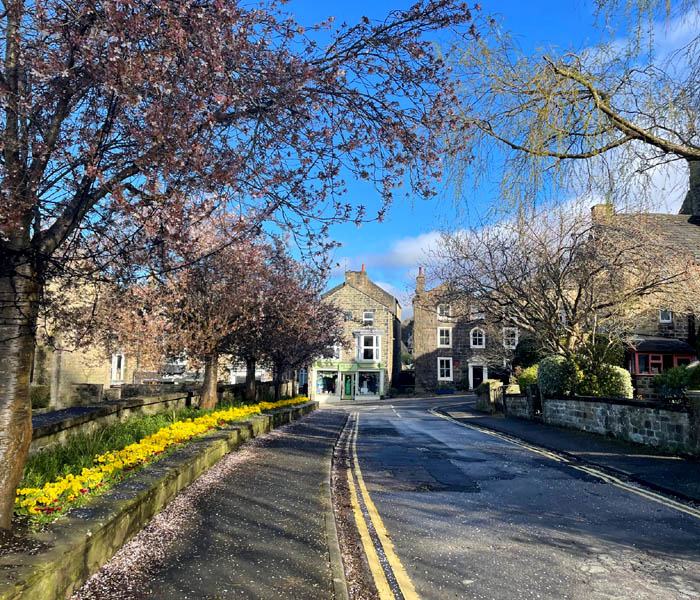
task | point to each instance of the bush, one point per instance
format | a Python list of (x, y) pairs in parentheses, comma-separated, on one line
[(693, 382), (621, 384), (527, 353), (40, 396), (552, 375), (527, 377), (672, 382)]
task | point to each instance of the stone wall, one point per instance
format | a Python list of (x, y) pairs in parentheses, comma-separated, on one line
[(664, 426), (518, 405)]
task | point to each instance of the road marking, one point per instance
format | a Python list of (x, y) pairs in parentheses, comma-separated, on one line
[(394, 564), (612, 480)]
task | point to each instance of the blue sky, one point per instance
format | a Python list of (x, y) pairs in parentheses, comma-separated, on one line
[(392, 250)]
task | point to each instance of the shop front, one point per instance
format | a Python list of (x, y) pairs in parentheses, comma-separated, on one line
[(348, 381)]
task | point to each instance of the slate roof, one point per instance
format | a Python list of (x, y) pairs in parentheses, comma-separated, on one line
[(661, 345), (680, 230)]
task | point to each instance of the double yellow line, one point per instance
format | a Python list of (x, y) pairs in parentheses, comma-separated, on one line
[(366, 518), (612, 480)]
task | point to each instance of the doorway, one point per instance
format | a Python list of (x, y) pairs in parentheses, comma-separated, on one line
[(477, 375), (347, 385)]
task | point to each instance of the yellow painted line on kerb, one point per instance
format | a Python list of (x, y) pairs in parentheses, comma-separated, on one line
[(402, 579), (612, 480)]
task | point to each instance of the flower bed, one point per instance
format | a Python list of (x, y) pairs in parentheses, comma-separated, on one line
[(44, 504)]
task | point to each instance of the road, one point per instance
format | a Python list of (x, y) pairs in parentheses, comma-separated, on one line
[(452, 512)]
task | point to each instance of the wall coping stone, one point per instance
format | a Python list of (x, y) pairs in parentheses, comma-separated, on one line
[(622, 402), (77, 545)]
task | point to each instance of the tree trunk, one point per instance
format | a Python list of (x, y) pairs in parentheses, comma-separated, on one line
[(691, 204), (250, 380), (19, 297), (211, 373), (278, 384)]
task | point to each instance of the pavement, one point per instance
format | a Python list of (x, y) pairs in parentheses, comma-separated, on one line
[(260, 532), (669, 474), (467, 514)]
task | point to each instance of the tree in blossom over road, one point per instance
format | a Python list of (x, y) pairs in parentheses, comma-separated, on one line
[(122, 119)]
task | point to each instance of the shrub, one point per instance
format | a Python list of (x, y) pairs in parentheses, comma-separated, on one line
[(693, 382), (552, 375), (40, 396), (621, 384), (527, 353), (672, 382), (527, 377)]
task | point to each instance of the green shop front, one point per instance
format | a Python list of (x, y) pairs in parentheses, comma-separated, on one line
[(337, 380)]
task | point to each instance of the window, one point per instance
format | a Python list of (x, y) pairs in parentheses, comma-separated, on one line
[(510, 337), (337, 352), (348, 316), (444, 368), (477, 338), (444, 311), (367, 383), (653, 364), (368, 318), (118, 364), (326, 382), (444, 337), (369, 347), (665, 316), (476, 312)]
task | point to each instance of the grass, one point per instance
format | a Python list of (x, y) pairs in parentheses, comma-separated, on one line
[(80, 450)]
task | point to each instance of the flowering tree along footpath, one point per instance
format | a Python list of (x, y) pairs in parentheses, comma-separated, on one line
[(121, 120), (565, 279), (593, 121)]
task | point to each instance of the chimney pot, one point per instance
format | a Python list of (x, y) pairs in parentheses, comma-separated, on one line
[(363, 267)]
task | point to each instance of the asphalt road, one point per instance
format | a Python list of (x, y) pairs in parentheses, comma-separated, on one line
[(473, 516)]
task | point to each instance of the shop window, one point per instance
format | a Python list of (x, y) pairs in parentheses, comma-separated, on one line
[(444, 368), (368, 383), (444, 311), (369, 347), (444, 335), (510, 337), (665, 316), (326, 382), (368, 318), (477, 338)]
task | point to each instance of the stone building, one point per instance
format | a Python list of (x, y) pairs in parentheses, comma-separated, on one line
[(370, 359), (62, 373), (660, 339), (455, 343)]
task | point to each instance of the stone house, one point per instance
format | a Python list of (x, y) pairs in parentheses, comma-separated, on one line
[(62, 372), (456, 344), (661, 339), (369, 361)]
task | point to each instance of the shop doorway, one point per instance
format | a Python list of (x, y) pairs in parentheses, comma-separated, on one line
[(347, 385)]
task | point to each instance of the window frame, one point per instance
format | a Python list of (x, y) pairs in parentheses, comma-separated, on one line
[(471, 338), (516, 337), (656, 359), (337, 352), (367, 322), (476, 312), (670, 317), (348, 316), (376, 347), (449, 341), (446, 314), (118, 364), (451, 366)]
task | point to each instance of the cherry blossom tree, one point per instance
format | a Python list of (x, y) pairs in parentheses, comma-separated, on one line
[(121, 120)]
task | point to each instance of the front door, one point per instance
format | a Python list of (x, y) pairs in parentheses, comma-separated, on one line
[(347, 386), (477, 376)]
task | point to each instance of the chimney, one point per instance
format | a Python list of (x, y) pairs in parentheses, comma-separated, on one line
[(363, 269), (600, 212), (420, 281)]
